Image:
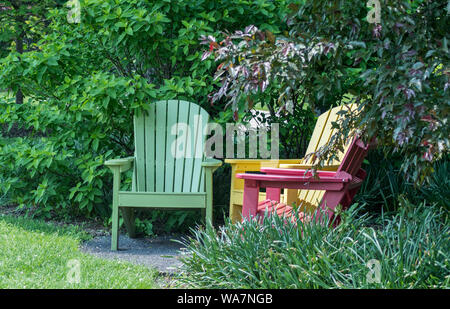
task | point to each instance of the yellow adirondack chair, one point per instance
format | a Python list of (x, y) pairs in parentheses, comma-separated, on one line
[(306, 199)]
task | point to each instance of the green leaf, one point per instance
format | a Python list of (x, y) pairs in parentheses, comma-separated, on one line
[(120, 24), (418, 65), (52, 61)]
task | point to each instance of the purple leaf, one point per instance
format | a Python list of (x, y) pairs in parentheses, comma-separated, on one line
[(206, 55)]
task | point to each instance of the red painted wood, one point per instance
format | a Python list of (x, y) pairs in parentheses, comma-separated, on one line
[(268, 207), (251, 195), (340, 186), (295, 172), (342, 177), (336, 185), (330, 201), (273, 194)]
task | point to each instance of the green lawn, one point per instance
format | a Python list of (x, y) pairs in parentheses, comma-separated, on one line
[(34, 254)]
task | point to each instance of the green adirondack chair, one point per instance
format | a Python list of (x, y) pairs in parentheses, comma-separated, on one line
[(170, 170)]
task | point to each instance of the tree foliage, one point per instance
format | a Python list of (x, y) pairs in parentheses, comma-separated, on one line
[(396, 71), (21, 24), (84, 81)]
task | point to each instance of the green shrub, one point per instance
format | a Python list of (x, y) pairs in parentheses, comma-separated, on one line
[(82, 83), (412, 249)]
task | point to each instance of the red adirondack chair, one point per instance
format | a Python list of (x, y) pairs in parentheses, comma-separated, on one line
[(340, 186)]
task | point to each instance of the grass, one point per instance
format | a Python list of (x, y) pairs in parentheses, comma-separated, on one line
[(410, 249), (34, 254)]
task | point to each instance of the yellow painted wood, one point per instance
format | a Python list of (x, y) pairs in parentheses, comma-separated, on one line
[(307, 200)]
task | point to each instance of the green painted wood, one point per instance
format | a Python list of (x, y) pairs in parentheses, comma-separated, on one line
[(201, 187), (209, 195), (165, 176), (115, 209), (183, 117), (162, 200), (128, 215), (139, 141), (201, 123), (189, 159), (172, 119), (149, 127), (161, 117)]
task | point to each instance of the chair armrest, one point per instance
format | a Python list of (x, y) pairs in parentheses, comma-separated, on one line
[(212, 164), (254, 165), (337, 178), (262, 161), (297, 172), (123, 164), (309, 166)]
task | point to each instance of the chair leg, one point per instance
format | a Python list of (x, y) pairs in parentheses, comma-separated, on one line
[(329, 203), (251, 198), (209, 215), (273, 194), (353, 193), (128, 215), (209, 196), (115, 210), (115, 228)]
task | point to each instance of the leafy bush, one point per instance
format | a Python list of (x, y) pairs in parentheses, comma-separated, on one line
[(52, 170), (395, 70), (411, 247), (83, 82)]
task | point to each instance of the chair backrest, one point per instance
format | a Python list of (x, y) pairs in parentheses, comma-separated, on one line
[(323, 131), (355, 152), (354, 157), (351, 164), (169, 147)]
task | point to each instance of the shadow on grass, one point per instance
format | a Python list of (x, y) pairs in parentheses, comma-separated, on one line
[(40, 226)]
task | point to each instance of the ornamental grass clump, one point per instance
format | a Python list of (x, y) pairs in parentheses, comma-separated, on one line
[(407, 250)]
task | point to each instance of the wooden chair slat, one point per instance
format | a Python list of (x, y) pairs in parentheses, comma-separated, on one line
[(139, 123), (150, 149), (172, 119), (181, 142)]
